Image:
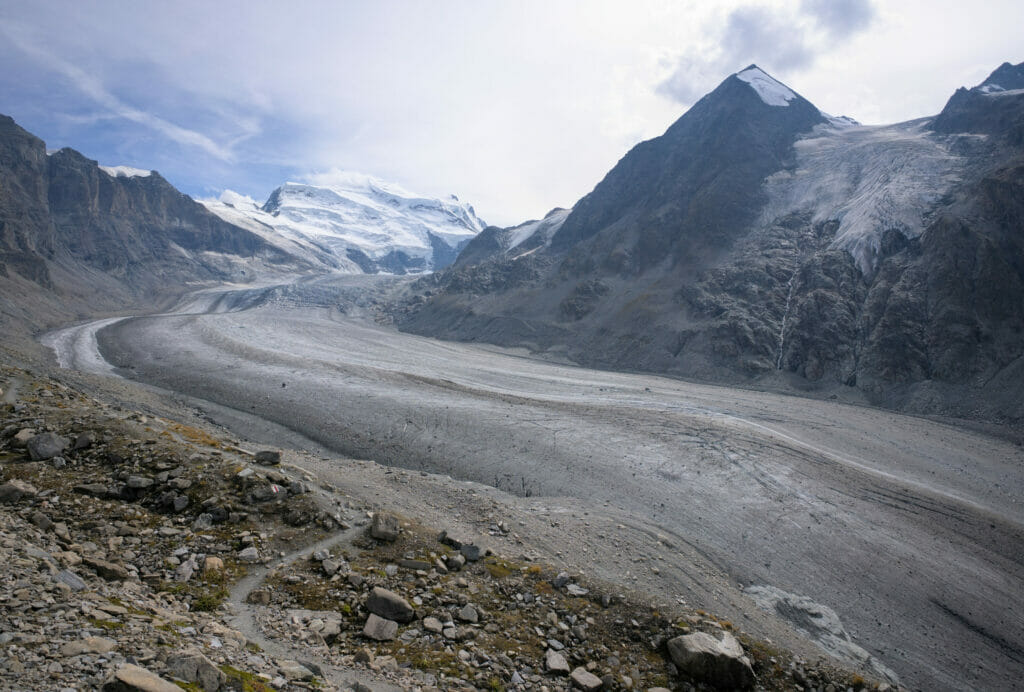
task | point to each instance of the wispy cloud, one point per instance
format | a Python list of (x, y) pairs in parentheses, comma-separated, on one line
[(779, 38), (94, 89)]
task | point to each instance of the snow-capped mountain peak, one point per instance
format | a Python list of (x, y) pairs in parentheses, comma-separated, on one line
[(365, 223), (771, 91)]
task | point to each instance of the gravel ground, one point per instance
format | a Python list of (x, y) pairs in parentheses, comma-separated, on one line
[(908, 529)]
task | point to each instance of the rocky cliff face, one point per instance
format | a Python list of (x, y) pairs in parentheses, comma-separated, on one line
[(770, 245), (75, 237)]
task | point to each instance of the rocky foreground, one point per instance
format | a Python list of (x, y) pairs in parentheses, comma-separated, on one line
[(143, 554)]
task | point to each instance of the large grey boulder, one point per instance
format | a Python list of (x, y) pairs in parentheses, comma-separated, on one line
[(192, 666), (389, 605), (46, 446), (706, 659), (384, 526), (555, 663), (585, 680)]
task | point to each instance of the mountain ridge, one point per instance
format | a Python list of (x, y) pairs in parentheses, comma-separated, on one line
[(871, 263)]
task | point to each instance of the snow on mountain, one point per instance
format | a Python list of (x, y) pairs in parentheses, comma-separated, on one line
[(547, 227), (869, 179), (361, 224), (771, 91), (125, 172)]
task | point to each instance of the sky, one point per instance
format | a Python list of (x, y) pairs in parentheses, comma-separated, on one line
[(516, 107)]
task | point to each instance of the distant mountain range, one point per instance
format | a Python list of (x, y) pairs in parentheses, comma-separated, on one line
[(357, 224), (760, 241)]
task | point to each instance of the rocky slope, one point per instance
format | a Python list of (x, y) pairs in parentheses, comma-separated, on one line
[(762, 242), (141, 552), (77, 238), (357, 224)]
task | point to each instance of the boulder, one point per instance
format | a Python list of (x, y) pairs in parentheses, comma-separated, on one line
[(15, 491), (380, 629), (585, 680), (192, 666), (131, 678), (389, 605), (22, 437), (706, 659), (46, 446), (212, 564), (384, 526), (250, 554), (268, 457)]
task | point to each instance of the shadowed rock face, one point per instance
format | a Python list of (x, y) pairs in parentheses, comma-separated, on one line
[(688, 260), (78, 235)]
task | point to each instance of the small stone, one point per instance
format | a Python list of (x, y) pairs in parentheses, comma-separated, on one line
[(89, 645), (432, 624), (330, 566), (455, 562), (471, 552), (293, 670), (139, 482), (22, 437), (108, 570), (84, 441), (468, 614), (71, 579), (212, 564), (555, 663), (132, 678), (380, 629), (259, 597), (42, 521), (585, 680), (249, 554)]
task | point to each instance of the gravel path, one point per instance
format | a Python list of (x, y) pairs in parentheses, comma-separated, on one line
[(910, 530)]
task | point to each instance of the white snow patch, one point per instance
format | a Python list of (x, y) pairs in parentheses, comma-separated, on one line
[(771, 91), (990, 88), (125, 172), (869, 179), (547, 226)]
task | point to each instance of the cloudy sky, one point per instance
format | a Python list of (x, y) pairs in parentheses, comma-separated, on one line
[(516, 107)]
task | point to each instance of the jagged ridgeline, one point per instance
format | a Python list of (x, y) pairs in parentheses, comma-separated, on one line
[(761, 241)]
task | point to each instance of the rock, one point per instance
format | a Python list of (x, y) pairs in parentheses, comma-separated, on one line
[(555, 663), (719, 663), (15, 491), (202, 522), (83, 441), (389, 605), (576, 590), (455, 562), (561, 580), (448, 540), (192, 666), (46, 446), (384, 527), (380, 629), (293, 670), (415, 565), (585, 680), (89, 645), (330, 566), (432, 624), (212, 564), (468, 614), (22, 437), (356, 580), (139, 482), (267, 457), (68, 577), (471, 552), (131, 678), (259, 597), (249, 554), (92, 490), (107, 570)]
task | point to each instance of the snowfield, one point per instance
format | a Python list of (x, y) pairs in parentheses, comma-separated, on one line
[(356, 212)]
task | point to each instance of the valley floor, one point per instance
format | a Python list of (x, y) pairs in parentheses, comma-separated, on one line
[(911, 531)]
